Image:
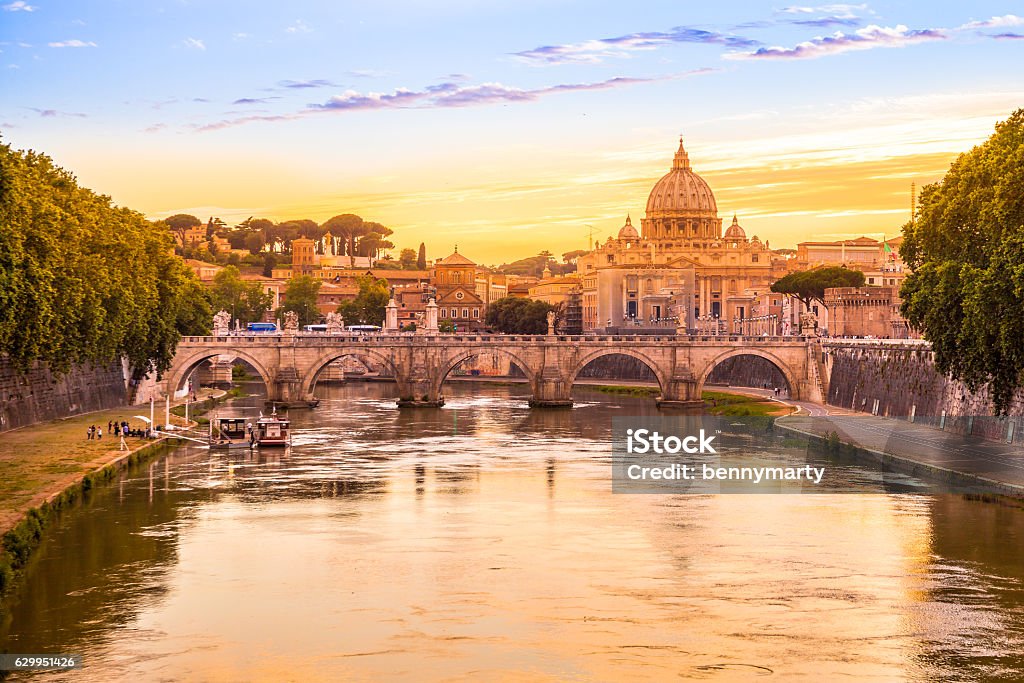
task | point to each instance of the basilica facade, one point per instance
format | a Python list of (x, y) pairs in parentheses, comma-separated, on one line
[(679, 270)]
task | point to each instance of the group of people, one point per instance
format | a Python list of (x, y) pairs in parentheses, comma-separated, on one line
[(119, 429)]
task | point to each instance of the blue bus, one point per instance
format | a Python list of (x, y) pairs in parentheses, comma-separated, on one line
[(262, 328)]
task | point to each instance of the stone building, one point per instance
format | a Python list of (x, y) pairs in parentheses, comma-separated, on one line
[(860, 311), (679, 268), (454, 280)]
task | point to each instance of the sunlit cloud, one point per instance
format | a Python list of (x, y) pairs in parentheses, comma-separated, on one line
[(19, 6), (594, 51), (74, 42), (299, 26), (867, 38), (194, 43), (443, 95), (1005, 21)]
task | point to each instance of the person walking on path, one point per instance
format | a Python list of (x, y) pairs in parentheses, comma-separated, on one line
[(99, 433), (122, 446)]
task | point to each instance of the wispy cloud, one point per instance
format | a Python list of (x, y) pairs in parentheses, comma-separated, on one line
[(194, 44), (255, 100), (301, 85), (299, 26), (593, 51), (841, 11), (866, 38), (54, 113), (74, 42), (19, 6), (442, 95), (155, 128), (1009, 36), (1005, 21), (825, 22)]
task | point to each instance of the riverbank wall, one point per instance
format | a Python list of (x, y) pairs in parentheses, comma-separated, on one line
[(40, 394), (898, 379)]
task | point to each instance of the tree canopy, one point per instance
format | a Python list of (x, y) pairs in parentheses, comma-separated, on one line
[(966, 247), (245, 301), (518, 315), (368, 306), (82, 280), (301, 297), (810, 285)]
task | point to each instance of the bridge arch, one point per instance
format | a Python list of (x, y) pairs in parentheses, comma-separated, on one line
[(781, 365), (361, 354), (659, 372), (459, 357), (181, 370)]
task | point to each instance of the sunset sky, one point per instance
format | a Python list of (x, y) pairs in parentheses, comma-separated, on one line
[(509, 127)]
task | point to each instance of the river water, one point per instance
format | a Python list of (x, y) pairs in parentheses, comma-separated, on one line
[(481, 541)]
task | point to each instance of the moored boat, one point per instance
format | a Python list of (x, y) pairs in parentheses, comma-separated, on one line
[(271, 430), (229, 432)]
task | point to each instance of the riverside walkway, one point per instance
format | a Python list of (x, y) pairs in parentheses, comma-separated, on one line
[(996, 465), (40, 461)]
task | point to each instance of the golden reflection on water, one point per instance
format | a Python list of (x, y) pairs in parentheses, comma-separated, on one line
[(506, 557)]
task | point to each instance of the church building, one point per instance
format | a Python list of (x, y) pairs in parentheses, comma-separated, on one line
[(679, 269)]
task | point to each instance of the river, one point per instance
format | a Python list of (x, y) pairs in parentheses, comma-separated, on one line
[(481, 541)]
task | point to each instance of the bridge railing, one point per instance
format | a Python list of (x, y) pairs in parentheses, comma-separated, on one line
[(315, 338)]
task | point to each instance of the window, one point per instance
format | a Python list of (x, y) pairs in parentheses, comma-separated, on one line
[(476, 312), (871, 280), (459, 295), (753, 258), (441, 313), (465, 312)]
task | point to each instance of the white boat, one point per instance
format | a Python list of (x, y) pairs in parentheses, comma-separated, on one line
[(272, 430)]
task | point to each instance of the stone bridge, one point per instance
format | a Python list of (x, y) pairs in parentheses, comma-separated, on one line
[(419, 364)]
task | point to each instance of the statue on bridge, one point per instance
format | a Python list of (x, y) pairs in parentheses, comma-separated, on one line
[(808, 324), (221, 323), (551, 322), (335, 323), (291, 322)]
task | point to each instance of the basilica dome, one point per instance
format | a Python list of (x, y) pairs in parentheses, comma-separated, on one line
[(681, 190), (628, 232), (735, 231), (681, 204)]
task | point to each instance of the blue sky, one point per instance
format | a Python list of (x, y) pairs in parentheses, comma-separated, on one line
[(508, 126)]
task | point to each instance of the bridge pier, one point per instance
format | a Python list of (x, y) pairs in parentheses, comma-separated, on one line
[(680, 391), (419, 392), (551, 390), (286, 391)]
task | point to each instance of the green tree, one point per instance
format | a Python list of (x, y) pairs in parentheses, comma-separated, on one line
[(421, 258), (368, 306), (269, 262), (301, 296), (82, 280), (445, 326), (245, 301), (407, 259), (180, 222), (810, 285), (519, 315), (966, 247)]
